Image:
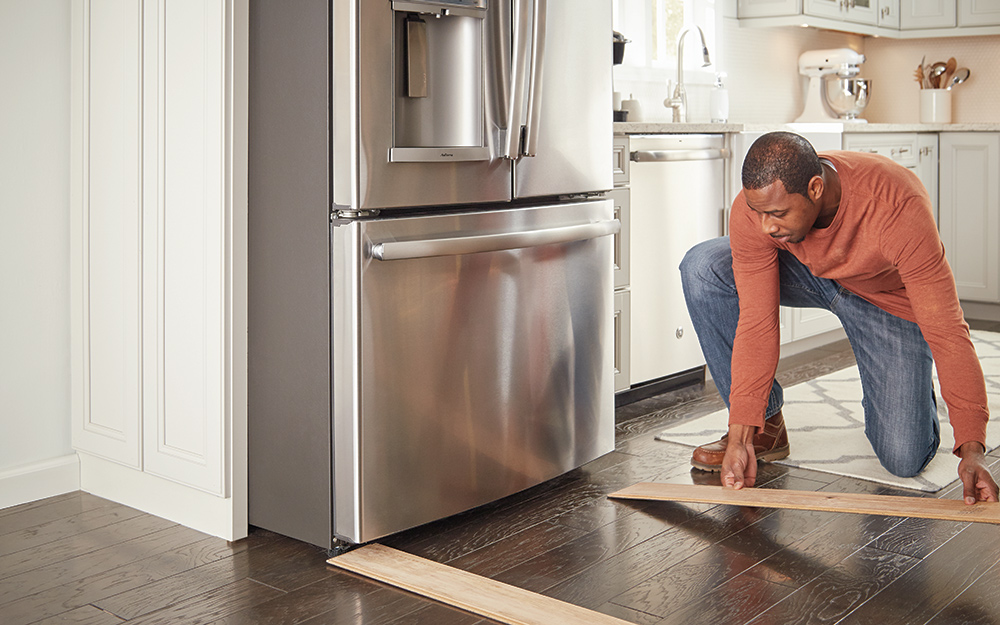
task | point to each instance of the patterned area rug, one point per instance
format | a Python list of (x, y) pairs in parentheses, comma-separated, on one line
[(825, 424)]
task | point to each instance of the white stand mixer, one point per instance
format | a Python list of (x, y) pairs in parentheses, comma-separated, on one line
[(818, 65)]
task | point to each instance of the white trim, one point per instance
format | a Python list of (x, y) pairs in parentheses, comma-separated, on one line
[(39, 480), (196, 509)]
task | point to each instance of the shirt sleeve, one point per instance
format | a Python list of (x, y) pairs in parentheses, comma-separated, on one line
[(913, 245), (756, 345)]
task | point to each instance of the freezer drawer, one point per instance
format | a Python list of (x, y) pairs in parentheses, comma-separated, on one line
[(476, 360)]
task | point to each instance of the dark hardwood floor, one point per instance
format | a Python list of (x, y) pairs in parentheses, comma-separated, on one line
[(77, 558)]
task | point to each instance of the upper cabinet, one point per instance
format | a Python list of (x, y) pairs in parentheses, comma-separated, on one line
[(858, 11), (885, 18), (979, 13), (932, 14)]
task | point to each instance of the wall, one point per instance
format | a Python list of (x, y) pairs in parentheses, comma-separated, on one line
[(761, 66), (895, 94), (34, 251), (765, 86)]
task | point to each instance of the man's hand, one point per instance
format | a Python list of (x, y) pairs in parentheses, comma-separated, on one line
[(739, 465), (978, 484)]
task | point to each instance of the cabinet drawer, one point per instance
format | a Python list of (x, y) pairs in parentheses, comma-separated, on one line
[(620, 197), (619, 160)]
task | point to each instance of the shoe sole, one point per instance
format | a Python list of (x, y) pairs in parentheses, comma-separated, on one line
[(771, 456)]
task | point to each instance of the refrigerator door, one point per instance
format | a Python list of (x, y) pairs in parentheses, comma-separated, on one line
[(566, 110), (419, 89), (475, 359)]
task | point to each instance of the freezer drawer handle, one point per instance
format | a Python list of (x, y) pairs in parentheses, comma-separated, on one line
[(427, 248), (650, 156)]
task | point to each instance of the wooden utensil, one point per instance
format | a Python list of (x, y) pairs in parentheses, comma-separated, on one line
[(949, 70)]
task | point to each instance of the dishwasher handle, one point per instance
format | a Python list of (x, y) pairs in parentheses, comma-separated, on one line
[(453, 246), (653, 156)]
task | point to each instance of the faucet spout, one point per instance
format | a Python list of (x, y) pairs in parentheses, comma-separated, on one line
[(678, 101)]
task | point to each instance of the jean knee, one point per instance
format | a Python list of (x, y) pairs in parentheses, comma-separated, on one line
[(705, 263), (903, 460)]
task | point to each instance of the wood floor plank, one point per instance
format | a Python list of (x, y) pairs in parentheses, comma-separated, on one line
[(284, 564), (941, 578), (838, 591), (64, 528), (979, 604), (212, 605), (93, 588), (95, 562), (75, 545), (920, 507), (45, 510), (473, 593), (84, 615)]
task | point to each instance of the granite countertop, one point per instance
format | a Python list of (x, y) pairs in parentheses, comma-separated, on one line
[(639, 128)]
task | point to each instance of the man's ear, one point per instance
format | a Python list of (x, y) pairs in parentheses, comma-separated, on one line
[(816, 187)]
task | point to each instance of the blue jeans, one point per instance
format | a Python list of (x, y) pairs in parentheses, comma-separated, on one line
[(893, 357)]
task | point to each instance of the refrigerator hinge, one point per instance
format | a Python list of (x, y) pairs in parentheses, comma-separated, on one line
[(346, 212), (591, 195)]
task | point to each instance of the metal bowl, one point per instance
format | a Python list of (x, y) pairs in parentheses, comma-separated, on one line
[(848, 97)]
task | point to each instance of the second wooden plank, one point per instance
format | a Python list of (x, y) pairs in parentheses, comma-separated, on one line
[(461, 589), (885, 505)]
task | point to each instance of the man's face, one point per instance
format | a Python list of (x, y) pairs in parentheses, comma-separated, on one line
[(787, 217)]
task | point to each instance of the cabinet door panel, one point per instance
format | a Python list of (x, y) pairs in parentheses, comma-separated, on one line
[(979, 13), (106, 228), (970, 225), (915, 14), (768, 8), (185, 209)]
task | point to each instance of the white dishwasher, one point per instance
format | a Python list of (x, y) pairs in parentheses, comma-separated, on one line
[(678, 200)]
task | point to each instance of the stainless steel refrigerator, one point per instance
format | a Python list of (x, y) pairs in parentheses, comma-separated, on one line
[(430, 257)]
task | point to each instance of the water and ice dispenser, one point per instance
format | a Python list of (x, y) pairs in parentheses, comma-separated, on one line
[(438, 88)]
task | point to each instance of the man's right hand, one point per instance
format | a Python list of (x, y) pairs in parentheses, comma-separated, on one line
[(739, 465)]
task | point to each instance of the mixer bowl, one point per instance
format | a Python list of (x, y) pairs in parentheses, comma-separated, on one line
[(848, 97)]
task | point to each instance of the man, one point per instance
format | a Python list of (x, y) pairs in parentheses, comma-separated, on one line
[(853, 233)]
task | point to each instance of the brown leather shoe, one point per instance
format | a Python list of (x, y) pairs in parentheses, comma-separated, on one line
[(771, 443)]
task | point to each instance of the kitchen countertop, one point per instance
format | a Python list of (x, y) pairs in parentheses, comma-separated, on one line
[(639, 128)]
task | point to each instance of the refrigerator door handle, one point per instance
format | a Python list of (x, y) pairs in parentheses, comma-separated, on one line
[(453, 246), (515, 108), (539, 11)]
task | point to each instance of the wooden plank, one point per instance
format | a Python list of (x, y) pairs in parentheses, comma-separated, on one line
[(467, 591), (885, 505)]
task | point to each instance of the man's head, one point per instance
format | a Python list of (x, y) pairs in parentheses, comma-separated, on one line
[(783, 183)]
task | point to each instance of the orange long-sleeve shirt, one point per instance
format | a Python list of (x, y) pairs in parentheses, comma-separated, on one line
[(883, 246)]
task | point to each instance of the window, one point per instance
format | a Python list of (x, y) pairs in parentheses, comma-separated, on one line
[(652, 27)]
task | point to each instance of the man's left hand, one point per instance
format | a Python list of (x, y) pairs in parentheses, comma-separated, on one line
[(978, 484)]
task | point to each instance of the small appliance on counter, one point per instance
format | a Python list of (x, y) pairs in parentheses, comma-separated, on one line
[(835, 93), (618, 42)]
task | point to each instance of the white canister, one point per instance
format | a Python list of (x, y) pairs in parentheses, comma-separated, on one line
[(634, 109), (935, 106)]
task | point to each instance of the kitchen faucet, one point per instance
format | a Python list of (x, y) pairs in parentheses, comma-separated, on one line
[(679, 100)]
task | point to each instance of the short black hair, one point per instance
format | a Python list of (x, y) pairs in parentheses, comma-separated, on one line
[(783, 156)]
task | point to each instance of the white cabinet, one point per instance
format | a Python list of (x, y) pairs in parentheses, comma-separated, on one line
[(767, 8), (900, 19), (918, 152), (158, 252), (888, 14), (970, 212), (858, 11), (621, 197), (917, 14), (979, 13)]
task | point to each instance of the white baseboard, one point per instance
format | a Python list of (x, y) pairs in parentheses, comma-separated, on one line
[(39, 480), (218, 516)]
